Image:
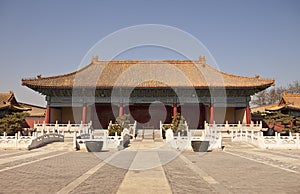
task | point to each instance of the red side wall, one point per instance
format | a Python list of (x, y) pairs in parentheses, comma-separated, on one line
[(29, 121)]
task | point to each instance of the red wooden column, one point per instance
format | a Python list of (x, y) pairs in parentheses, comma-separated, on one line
[(248, 115), (47, 115), (121, 110), (211, 114), (84, 111), (174, 109)]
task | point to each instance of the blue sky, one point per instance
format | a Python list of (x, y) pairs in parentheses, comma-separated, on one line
[(51, 37)]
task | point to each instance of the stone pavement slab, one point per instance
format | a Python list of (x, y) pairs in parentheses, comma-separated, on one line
[(108, 178), (288, 160), (22, 156), (104, 177), (183, 180), (241, 175), (47, 176), (10, 153), (244, 170)]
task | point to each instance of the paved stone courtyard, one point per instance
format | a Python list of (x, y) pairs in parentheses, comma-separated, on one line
[(239, 168)]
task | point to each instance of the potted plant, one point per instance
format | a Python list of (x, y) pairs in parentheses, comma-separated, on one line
[(115, 128), (178, 125), (122, 123)]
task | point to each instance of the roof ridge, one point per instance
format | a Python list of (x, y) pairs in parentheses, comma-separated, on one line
[(145, 61), (97, 63)]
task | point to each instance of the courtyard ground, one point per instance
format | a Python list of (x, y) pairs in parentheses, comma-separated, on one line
[(239, 168)]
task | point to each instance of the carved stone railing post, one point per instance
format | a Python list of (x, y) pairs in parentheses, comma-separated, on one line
[(16, 140), (160, 128), (81, 127), (239, 125), (44, 126), (278, 139), (260, 124), (69, 126), (227, 127), (251, 125), (56, 125), (298, 140)]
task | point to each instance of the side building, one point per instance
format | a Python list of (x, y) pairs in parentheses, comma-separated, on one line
[(9, 104), (36, 115), (288, 104), (150, 91)]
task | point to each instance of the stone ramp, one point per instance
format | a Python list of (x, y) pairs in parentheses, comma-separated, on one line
[(146, 144), (146, 173)]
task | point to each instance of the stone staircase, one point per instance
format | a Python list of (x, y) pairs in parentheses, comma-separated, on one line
[(149, 134)]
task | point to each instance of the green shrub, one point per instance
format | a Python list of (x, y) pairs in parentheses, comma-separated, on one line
[(122, 122), (11, 123)]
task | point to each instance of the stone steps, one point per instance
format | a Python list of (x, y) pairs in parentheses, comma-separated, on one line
[(153, 134), (148, 133)]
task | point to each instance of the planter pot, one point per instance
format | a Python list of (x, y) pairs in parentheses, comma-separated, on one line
[(94, 146), (269, 132), (126, 141), (200, 146)]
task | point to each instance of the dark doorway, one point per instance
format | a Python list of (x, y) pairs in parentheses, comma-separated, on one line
[(150, 115), (104, 114)]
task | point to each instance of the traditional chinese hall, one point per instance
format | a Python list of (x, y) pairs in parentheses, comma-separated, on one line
[(150, 91)]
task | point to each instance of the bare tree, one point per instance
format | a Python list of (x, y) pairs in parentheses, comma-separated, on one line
[(260, 98), (294, 88), (274, 94)]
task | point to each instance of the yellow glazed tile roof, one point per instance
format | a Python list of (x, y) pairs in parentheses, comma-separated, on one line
[(147, 74)]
